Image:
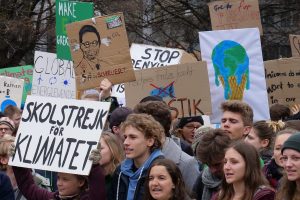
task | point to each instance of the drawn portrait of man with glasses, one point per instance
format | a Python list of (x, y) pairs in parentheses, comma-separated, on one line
[(90, 42)]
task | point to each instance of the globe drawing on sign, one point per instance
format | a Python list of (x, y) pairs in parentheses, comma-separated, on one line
[(231, 65)]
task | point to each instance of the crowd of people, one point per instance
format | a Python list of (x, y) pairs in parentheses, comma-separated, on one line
[(146, 154)]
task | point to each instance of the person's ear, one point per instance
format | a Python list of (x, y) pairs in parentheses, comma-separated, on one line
[(115, 129), (247, 130), (150, 142), (264, 143)]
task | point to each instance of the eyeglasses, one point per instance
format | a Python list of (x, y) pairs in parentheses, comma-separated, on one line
[(88, 44), (191, 127), (4, 129)]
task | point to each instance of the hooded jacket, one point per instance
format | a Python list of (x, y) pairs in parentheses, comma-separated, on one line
[(128, 182)]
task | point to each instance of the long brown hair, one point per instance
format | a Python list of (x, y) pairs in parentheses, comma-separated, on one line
[(287, 190), (253, 177), (116, 149)]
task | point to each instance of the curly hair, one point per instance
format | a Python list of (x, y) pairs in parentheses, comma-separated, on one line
[(212, 146), (179, 192), (159, 110), (241, 108), (148, 126)]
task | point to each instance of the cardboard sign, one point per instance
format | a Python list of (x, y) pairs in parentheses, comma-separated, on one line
[(184, 87), (58, 135), (235, 14), (21, 72), (147, 56), (235, 69), (53, 77), (283, 81), (67, 12), (100, 49), (295, 45), (11, 90)]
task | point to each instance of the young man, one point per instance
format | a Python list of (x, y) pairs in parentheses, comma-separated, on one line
[(211, 151), (237, 119), (142, 144), (7, 126), (188, 165)]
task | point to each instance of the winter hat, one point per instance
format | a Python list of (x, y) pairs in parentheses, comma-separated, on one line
[(118, 116), (293, 142), (183, 121), (8, 122)]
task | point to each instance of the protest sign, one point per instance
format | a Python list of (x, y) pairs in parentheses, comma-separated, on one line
[(235, 69), (53, 77), (235, 14), (21, 72), (147, 56), (58, 135), (100, 49), (11, 90), (295, 45), (283, 81), (184, 87), (67, 12)]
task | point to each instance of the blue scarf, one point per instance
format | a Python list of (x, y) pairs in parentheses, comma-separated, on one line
[(126, 168)]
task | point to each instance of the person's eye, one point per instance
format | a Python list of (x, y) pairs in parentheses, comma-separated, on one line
[(233, 121), (295, 158)]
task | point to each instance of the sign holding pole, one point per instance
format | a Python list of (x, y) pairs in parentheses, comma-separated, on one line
[(58, 135)]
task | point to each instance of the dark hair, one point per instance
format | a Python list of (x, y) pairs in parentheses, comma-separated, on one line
[(148, 126), (253, 177), (86, 29), (212, 146), (157, 109), (179, 192), (279, 112), (265, 132), (241, 108)]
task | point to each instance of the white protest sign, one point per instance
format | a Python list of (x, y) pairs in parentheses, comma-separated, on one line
[(235, 69), (58, 135), (11, 91), (147, 56), (53, 77)]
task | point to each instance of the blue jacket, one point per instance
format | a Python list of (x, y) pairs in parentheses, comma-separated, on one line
[(6, 190)]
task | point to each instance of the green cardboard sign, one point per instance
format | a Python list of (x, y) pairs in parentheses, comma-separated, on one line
[(68, 12), (21, 72)]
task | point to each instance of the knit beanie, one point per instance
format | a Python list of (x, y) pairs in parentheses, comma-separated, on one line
[(293, 142), (183, 121), (8, 122)]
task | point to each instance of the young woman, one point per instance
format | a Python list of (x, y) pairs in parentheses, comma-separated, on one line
[(273, 169), (165, 182), (112, 154), (243, 176), (290, 183), (261, 137)]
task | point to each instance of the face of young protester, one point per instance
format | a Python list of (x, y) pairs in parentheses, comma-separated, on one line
[(234, 166), (160, 183), (232, 123), (4, 129), (280, 139), (253, 139), (188, 131), (291, 164), (106, 155), (68, 184), (216, 168), (136, 146), (16, 119)]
